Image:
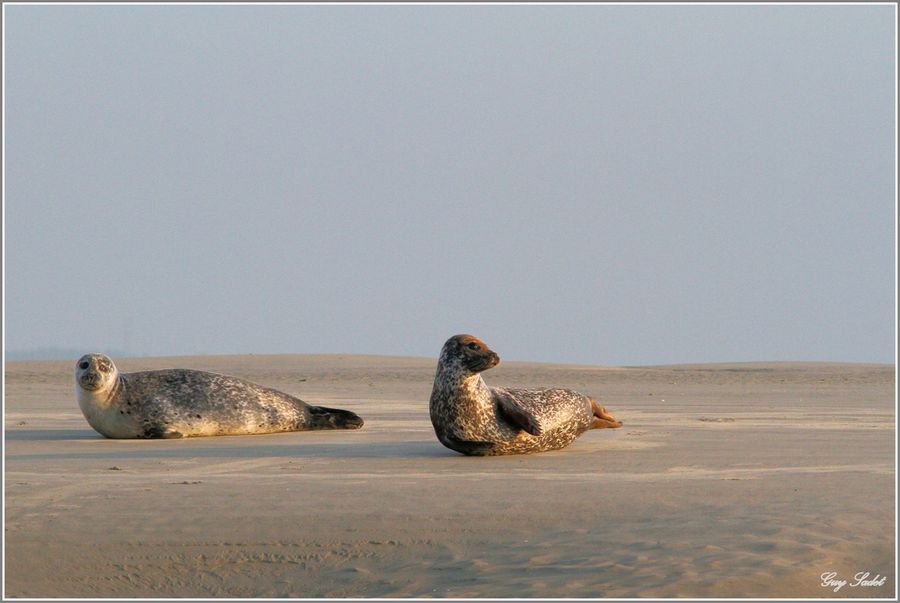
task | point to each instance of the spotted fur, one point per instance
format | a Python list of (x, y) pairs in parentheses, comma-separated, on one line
[(472, 418), (178, 403)]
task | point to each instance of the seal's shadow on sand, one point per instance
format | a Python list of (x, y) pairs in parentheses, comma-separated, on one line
[(194, 447), (52, 434)]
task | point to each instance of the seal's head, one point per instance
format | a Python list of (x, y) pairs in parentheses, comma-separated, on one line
[(94, 372), (467, 354)]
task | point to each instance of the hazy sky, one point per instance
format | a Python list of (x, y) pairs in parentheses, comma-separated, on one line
[(591, 184)]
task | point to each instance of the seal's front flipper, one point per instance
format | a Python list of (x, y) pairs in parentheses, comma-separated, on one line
[(469, 448), (155, 432), (510, 410)]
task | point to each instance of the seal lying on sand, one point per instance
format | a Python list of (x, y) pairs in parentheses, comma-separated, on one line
[(180, 403), (474, 419)]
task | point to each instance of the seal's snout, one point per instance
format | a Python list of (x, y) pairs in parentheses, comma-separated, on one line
[(484, 361), (354, 422), (90, 381), (333, 418)]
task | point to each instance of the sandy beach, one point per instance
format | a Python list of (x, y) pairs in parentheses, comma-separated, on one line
[(727, 480)]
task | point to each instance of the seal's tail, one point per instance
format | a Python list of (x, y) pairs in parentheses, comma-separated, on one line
[(333, 418)]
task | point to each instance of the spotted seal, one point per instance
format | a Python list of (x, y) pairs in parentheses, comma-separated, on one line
[(472, 418), (180, 403)]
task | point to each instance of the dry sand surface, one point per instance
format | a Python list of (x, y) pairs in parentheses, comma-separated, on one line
[(740, 480)]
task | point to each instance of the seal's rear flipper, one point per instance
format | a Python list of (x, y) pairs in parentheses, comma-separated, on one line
[(333, 418), (603, 419)]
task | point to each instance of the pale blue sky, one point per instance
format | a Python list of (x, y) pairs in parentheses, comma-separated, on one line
[(590, 184)]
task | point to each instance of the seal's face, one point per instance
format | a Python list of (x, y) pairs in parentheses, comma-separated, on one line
[(94, 372), (468, 353)]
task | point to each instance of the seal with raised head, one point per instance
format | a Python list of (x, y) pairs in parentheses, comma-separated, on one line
[(181, 403), (472, 418)]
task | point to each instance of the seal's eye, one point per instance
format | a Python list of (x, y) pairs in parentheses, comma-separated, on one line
[(84, 365), (473, 346)]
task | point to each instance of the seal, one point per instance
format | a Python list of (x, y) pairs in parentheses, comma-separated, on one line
[(181, 403), (472, 418)]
